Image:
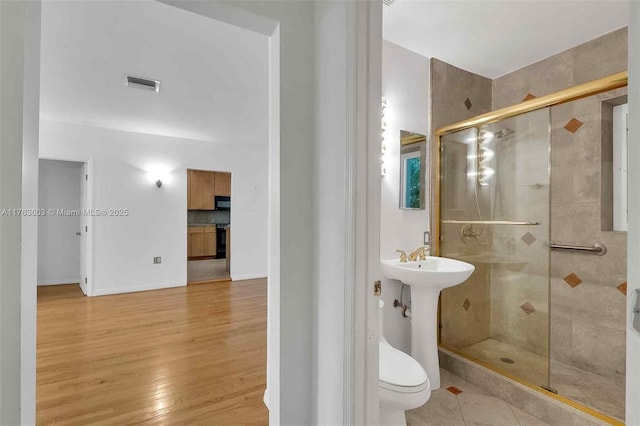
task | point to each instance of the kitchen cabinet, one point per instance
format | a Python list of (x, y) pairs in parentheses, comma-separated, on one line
[(209, 241), (201, 241), (201, 186), (195, 241), (223, 184)]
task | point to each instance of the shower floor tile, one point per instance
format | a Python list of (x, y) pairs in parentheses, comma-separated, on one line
[(592, 390), (473, 406)]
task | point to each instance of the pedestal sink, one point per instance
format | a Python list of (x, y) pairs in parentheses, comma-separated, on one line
[(427, 278)]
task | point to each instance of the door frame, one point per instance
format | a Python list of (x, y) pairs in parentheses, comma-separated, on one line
[(86, 220)]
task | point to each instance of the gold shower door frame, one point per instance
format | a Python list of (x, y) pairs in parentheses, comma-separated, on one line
[(594, 87)]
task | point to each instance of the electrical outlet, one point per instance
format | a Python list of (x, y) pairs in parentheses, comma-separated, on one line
[(157, 260)]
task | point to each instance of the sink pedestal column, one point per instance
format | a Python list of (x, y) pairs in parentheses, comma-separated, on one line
[(424, 332)]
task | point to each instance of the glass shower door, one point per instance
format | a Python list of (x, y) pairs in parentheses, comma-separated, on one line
[(495, 214)]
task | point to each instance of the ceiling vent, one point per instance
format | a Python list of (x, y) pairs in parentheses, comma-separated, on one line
[(388, 2), (143, 83)]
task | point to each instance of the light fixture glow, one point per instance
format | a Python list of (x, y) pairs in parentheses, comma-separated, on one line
[(158, 174), (486, 137), (486, 154)]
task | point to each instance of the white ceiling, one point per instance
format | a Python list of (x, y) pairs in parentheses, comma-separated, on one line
[(214, 76), (493, 38)]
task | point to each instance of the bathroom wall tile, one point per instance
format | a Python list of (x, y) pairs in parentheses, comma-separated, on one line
[(598, 349), (450, 87), (602, 56), (622, 288), (573, 125), (573, 280)]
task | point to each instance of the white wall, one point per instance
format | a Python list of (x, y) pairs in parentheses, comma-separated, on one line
[(58, 245), (19, 97), (633, 252), (124, 247), (405, 85)]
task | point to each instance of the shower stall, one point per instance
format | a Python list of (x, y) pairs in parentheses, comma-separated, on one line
[(528, 196)]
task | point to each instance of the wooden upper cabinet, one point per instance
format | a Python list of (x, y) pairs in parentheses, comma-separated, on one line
[(223, 184), (201, 187)]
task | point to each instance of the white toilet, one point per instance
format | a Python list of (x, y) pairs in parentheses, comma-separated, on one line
[(404, 384)]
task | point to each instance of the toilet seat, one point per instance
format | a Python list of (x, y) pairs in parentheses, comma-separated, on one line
[(399, 372)]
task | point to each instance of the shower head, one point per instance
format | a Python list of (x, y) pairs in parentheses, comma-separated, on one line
[(503, 133)]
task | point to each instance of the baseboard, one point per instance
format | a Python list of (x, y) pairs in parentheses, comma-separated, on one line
[(75, 280), (265, 398), (134, 289), (243, 277)]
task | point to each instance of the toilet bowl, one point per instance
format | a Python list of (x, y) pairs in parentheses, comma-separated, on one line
[(403, 383)]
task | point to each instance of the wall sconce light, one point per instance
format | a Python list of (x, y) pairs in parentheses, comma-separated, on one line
[(158, 175), (383, 145)]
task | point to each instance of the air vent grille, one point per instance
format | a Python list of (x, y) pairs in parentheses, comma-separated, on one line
[(388, 2), (143, 83)]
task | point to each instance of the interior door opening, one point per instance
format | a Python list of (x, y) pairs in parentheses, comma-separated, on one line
[(208, 226), (62, 224)]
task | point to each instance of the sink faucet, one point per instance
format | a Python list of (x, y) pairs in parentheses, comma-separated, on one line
[(403, 256), (419, 253)]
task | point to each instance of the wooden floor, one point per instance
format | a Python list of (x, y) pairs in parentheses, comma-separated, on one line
[(189, 355)]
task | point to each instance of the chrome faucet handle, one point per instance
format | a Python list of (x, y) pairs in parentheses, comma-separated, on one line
[(403, 256)]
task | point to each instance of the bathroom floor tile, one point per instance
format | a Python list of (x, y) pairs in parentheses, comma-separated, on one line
[(487, 410), (526, 419), (418, 419), (473, 407), (441, 404)]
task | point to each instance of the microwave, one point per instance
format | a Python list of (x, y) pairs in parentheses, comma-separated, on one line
[(222, 202)]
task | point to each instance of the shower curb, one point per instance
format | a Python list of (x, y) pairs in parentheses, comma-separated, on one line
[(539, 405)]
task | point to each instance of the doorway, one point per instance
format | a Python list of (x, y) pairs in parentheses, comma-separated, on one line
[(62, 224), (208, 226)]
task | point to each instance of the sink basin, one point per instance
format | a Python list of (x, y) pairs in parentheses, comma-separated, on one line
[(426, 278), (434, 272)]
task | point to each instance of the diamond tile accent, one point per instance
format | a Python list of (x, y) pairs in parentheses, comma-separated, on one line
[(468, 103), (529, 97), (528, 308), (528, 238), (573, 280), (466, 304), (622, 288), (454, 390), (573, 125)]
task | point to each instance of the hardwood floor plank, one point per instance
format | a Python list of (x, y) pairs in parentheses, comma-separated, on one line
[(188, 355)]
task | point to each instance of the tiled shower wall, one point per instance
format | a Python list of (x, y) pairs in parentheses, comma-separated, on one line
[(587, 316), (587, 312), (456, 95)]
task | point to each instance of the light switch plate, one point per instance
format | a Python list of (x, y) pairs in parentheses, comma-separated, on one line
[(157, 260)]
